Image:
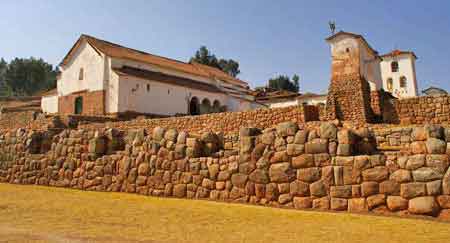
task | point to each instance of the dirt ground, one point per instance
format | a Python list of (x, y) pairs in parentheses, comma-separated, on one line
[(45, 214)]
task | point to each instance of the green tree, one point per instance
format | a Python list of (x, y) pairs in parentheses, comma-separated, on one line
[(26, 76), (205, 57), (3, 67), (283, 82)]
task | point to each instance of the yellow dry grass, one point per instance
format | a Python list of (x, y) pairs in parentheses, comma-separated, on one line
[(32, 213)]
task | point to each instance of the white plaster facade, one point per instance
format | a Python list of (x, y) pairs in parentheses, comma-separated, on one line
[(90, 66), (49, 104), (354, 49), (406, 71)]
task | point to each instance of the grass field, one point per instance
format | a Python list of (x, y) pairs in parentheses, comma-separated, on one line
[(45, 214)]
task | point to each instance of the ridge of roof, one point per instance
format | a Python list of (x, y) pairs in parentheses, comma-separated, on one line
[(119, 51), (357, 36)]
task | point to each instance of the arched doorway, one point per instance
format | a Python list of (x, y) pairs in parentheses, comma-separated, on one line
[(216, 106), (78, 109), (205, 107), (193, 106)]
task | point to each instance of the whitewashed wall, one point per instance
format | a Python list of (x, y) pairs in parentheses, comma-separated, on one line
[(406, 67), (370, 67), (93, 65), (49, 104), (161, 99)]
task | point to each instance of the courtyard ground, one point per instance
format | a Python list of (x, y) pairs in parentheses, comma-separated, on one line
[(45, 214)]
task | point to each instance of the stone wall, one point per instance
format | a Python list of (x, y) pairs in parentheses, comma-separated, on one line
[(93, 103), (349, 99), (321, 167), (425, 109), (221, 122)]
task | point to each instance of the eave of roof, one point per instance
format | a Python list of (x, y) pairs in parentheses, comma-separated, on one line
[(399, 52), (165, 78)]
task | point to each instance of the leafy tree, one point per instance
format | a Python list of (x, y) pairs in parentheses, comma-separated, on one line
[(3, 67), (283, 82), (204, 56), (26, 76)]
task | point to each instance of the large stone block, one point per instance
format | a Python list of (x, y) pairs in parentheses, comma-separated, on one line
[(299, 189), (418, 147), (401, 176), (341, 191), (179, 190), (425, 174), (303, 161), (415, 162), (318, 189), (434, 187), (328, 130), (419, 134), (357, 205), (436, 146), (390, 187), (239, 180), (379, 173), (376, 200), (301, 137), (281, 172), (444, 201), (411, 190), (423, 205), (309, 174), (339, 204), (287, 129), (369, 188), (317, 146), (322, 203), (346, 136), (302, 202), (396, 203), (295, 149), (259, 176)]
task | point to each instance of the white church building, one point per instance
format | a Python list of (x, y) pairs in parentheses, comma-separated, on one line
[(394, 72), (102, 78), (398, 70)]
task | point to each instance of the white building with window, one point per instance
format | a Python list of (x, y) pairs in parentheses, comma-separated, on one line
[(398, 71), (102, 78)]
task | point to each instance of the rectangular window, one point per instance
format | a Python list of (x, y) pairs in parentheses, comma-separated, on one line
[(148, 87), (81, 74)]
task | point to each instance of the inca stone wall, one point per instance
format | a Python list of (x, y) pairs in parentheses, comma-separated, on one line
[(321, 167), (220, 122), (425, 109)]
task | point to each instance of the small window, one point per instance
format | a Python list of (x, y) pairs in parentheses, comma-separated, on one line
[(394, 67), (403, 82), (148, 87), (347, 50), (81, 74), (390, 84), (168, 91)]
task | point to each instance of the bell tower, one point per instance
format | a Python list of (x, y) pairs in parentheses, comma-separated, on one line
[(349, 91)]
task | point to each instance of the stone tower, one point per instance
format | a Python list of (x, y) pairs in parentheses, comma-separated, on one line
[(355, 72)]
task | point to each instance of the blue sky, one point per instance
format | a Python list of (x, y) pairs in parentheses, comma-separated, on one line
[(266, 37)]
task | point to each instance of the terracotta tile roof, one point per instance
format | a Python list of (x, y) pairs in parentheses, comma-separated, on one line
[(215, 72), (399, 52), (118, 51), (165, 78), (275, 95), (50, 92), (357, 36)]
